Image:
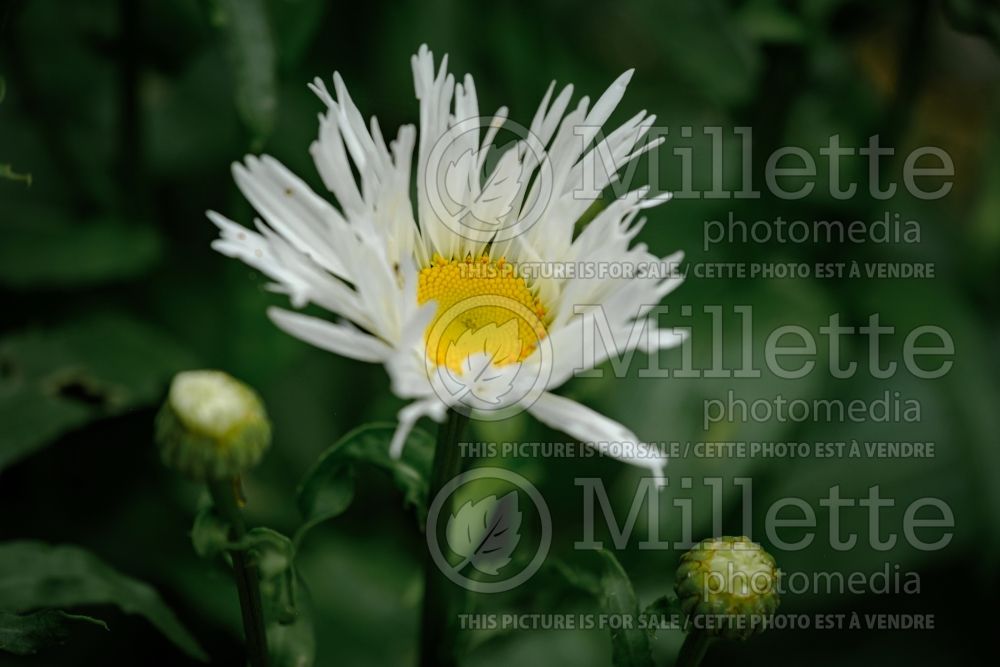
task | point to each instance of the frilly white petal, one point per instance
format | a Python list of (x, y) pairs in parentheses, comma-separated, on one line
[(408, 416), (341, 339), (592, 428)]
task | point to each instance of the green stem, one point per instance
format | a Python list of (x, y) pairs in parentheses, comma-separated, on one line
[(436, 645), (244, 571), (694, 648)]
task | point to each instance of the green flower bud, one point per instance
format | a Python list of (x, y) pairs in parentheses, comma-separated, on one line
[(727, 587), (212, 426)]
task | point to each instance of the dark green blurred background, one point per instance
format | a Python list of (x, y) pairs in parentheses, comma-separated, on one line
[(127, 116)]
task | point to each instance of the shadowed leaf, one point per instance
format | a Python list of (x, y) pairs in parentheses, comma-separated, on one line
[(35, 575), (328, 489), (607, 581), (56, 380), (26, 634)]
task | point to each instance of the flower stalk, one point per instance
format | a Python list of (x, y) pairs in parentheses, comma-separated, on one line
[(213, 428), (224, 496), (693, 649), (436, 642)]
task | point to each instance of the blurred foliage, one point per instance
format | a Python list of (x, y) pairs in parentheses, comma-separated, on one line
[(980, 17), (59, 379), (610, 585), (27, 634), (5, 169), (52, 253), (36, 575), (127, 114), (250, 49)]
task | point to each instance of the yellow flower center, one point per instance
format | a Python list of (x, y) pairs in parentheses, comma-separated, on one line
[(484, 307)]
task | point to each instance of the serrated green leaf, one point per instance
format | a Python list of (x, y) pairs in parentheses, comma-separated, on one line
[(607, 581), (328, 489), (26, 634), (40, 253), (35, 575)]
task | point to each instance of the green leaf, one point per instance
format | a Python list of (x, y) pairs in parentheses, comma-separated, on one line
[(328, 489), (607, 581), (664, 610), (40, 252), (56, 380), (35, 575), (293, 644), (26, 634), (271, 551), (250, 49), (210, 533)]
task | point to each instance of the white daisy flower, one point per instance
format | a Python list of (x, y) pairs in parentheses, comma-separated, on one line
[(440, 292)]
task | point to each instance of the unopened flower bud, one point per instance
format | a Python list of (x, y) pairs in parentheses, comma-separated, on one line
[(727, 587), (212, 426)]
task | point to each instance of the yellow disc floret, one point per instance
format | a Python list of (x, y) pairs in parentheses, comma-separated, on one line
[(483, 306)]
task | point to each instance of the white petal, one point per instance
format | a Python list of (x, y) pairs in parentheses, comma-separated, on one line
[(306, 221), (435, 95), (337, 338), (547, 119), (408, 416), (407, 367), (663, 339), (593, 428)]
